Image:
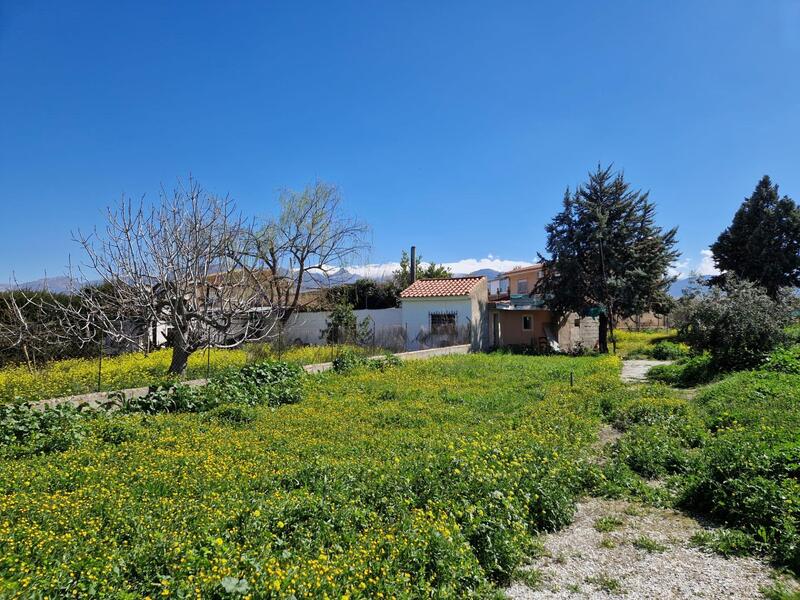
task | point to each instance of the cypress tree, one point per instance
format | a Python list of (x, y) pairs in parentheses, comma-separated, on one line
[(762, 244), (606, 251)]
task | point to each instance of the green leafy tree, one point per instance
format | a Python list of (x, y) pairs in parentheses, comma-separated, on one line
[(366, 293), (340, 326), (402, 276), (606, 251), (762, 244)]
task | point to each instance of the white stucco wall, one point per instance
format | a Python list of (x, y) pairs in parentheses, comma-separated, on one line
[(416, 313), (306, 326)]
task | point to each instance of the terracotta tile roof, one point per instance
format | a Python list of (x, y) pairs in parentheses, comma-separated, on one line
[(431, 288)]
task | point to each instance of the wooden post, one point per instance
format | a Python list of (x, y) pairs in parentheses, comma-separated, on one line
[(100, 363)]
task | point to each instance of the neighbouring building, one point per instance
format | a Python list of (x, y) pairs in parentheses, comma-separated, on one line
[(518, 316), (444, 312)]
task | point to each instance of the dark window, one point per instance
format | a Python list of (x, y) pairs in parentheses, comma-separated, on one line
[(577, 322), (522, 286), (443, 322), (527, 323)]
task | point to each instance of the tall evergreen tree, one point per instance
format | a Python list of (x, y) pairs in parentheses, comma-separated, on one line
[(762, 244), (606, 251)]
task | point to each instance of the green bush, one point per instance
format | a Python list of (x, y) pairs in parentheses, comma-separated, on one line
[(231, 414), (647, 410), (727, 542), (738, 324), (26, 430), (347, 361), (651, 451), (784, 360), (668, 351), (687, 372)]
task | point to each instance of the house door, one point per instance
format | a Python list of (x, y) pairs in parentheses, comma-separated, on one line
[(496, 329)]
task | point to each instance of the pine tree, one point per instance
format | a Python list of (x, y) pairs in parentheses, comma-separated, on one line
[(762, 244), (605, 251)]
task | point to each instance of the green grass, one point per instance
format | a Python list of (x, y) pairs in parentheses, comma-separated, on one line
[(431, 479), (607, 524), (605, 583), (80, 376), (639, 344), (731, 454), (648, 544)]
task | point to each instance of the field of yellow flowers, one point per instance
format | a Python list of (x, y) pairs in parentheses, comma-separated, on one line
[(79, 376), (428, 479)]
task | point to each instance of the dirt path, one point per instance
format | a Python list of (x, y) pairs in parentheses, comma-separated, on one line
[(635, 371), (616, 548)]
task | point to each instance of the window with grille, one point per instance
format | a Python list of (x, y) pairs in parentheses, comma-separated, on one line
[(443, 322)]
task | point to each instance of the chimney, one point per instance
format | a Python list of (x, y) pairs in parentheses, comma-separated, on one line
[(413, 266)]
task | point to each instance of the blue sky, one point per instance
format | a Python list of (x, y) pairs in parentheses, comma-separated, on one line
[(453, 125)]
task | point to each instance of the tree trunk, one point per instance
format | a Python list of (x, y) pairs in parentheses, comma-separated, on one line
[(603, 333), (180, 358)]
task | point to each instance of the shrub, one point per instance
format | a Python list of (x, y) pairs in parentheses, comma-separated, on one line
[(669, 351), (738, 324), (168, 399), (26, 430), (648, 411), (687, 372), (727, 542), (231, 414), (784, 360), (651, 451), (347, 361), (271, 382)]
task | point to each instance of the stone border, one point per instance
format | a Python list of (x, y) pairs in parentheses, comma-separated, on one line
[(96, 399)]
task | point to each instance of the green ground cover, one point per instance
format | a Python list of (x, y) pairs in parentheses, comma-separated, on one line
[(731, 453), (79, 376), (426, 479)]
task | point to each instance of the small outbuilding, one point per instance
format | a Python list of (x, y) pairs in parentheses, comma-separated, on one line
[(445, 312)]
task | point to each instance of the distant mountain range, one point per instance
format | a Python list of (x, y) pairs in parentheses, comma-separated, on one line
[(340, 277), (54, 284)]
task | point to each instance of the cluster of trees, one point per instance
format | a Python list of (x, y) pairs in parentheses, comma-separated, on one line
[(192, 262), (368, 293), (606, 253)]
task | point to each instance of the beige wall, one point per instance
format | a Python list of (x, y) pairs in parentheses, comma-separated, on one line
[(511, 331), (479, 298), (530, 274), (648, 320)]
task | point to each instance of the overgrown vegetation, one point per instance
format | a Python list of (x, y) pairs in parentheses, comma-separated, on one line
[(738, 324), (731, 453), (79, 376), (430, 482)]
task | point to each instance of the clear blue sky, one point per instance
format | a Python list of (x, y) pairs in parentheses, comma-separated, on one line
[(453, 125)]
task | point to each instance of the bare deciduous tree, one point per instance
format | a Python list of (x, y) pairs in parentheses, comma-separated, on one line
[(179, 263), (309, 240), (193, 264)]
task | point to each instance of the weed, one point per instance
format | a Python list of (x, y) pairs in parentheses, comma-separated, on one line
[(648, 544), (606, 583), (607, 524)]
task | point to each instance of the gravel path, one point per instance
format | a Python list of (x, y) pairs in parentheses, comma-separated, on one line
[(635, 371), (641, 552)]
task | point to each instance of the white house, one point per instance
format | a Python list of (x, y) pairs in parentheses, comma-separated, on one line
[(447, 311)]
